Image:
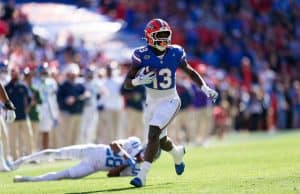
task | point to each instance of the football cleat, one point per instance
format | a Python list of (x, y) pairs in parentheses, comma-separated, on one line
[(137, 182), (179, 168)]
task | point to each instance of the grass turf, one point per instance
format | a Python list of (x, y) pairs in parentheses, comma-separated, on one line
[(242, 163)]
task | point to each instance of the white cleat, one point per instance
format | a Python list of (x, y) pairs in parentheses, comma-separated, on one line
[(180, 166)]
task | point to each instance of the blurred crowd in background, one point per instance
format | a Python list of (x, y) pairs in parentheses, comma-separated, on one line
[(249, 51)]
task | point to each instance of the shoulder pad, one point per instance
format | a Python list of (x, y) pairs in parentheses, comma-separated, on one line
[(176, 47), (138, 54)]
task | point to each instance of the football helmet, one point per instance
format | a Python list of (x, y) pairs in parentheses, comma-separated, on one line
[(158, 34)]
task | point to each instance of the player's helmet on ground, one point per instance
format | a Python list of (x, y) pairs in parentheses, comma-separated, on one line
[(158, 34)]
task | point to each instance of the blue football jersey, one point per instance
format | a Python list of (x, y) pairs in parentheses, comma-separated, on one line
[(164, 67)]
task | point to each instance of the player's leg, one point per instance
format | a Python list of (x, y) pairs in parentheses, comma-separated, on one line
[(177, 153), (82, 169), (162, 115), (166, 144), (152, 144), (150, 152), (69, 152), (45, 177), (42, 155)]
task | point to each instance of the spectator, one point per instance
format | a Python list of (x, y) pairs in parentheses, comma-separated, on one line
[(296, 99), (71, 96), (113, 107), (221, 119), (90, 113), (201, 111), (255, 109), (49, 112), (33, 111), (282, 107), (20, 134)]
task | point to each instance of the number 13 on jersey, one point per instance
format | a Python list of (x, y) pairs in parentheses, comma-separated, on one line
[(163, 78)]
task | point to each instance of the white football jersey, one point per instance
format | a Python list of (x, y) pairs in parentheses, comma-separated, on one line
[(108, 159)]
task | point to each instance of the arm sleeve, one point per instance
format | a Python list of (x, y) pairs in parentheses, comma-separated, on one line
[(136, 59)]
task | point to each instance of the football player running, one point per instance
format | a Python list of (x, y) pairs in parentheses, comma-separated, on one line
[(119, 158), (154, 66)]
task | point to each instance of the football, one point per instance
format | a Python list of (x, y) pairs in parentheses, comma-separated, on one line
[(146, 70)]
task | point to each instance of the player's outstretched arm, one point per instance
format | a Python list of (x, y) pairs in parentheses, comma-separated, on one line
[(196, 77)]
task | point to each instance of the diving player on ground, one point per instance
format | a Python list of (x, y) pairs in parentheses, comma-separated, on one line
[(118, 158), (154, 66)]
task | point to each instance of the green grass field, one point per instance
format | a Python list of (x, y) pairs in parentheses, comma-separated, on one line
[(242, 163)]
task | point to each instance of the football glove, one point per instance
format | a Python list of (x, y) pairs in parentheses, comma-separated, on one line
[(143, 78), (210, 93), (10, 114)]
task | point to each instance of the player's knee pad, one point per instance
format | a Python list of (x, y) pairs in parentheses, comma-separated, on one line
[(154, 133)]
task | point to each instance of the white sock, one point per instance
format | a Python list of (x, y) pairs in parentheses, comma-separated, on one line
[(175, 153), (51, 176), (145, 167)]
